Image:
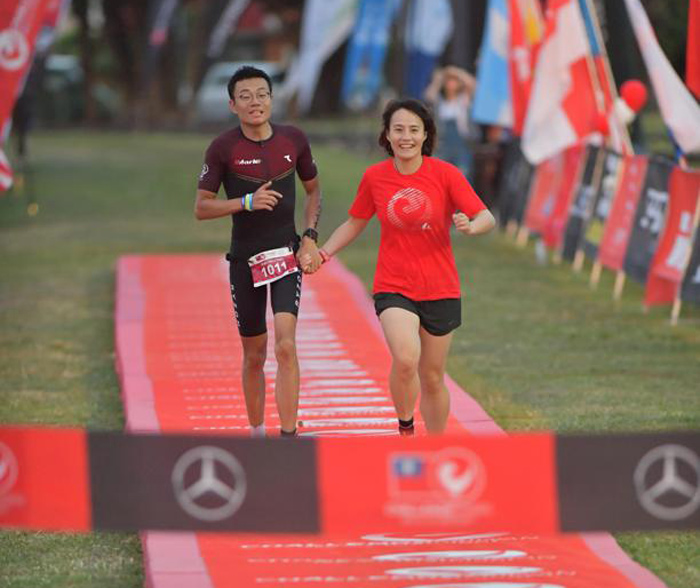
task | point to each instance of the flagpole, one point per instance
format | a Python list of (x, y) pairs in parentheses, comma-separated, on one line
[(627, 141)]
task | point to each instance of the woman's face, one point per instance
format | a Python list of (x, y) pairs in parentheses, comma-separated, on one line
[(406, 134), (452, 86)]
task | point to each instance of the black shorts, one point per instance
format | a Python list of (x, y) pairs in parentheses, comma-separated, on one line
[(250, 304), (438, 317)]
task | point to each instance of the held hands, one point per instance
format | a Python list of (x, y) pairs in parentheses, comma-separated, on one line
[(462, 223), (264, 198), (308, 257)]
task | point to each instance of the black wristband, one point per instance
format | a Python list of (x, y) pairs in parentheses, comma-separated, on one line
[(311, 234)]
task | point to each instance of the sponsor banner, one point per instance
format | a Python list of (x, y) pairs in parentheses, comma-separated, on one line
[(648, 481), (439, 484), (571, 174), (675, 245), (602, 204), (43, 479), (618, 228), (364, 62), (546, 181), (648, 220), (581, 205), (690, 288), (514, 185), (212, 483)]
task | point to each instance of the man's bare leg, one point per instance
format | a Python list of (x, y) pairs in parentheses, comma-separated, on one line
[(287, 382), (254, 355)]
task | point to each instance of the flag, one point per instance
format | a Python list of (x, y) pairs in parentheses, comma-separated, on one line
[(325, 26), (574, 159), (602, 204), (675, 245), (545, 187), (492, 101), (581, 205), (225, 27), (428, 29), (20, 23), (526, 32), (613, 245), (679, 109), (692, 62), (648, 220), (364, 62), (562, 108)]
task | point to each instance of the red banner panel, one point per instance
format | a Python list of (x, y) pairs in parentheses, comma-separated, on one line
[(557, 220), (619, 225), (438, 484), (674, 249), (547, 179), (44, 479)]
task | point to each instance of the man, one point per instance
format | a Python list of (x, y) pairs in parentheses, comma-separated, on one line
[(256, 162)]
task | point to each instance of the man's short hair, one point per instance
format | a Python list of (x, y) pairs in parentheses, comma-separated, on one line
[(247, 72)]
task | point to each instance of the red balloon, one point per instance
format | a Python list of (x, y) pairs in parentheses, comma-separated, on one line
[(602, 125), (634, 93)]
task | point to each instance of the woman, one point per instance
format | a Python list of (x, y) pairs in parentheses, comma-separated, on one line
[(416, 286), (450, 93)]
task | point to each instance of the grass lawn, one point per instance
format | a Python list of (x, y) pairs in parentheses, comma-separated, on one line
[(538, 349)]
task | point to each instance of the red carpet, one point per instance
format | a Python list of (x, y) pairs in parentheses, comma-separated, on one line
[(178, 357)]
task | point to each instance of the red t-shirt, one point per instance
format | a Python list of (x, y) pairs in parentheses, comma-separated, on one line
[(415, 213)]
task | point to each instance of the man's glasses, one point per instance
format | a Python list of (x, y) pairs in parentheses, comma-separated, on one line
[(247, 97)]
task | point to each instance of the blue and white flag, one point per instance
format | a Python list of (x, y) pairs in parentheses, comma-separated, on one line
[(428, 29), (492, 100), (364, 63)]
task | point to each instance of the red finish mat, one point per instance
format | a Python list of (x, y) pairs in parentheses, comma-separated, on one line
[(178, 357)]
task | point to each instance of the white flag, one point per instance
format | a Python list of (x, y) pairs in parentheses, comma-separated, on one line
[(679, 109), (324, 28)]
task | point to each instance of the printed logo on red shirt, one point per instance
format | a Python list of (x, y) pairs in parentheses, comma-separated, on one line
[(410, 209)]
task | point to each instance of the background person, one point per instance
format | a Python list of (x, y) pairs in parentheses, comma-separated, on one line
[(450, 92), (416, 198), (256, 162)]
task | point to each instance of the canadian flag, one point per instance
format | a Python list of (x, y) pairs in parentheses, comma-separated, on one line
[(562, 107)]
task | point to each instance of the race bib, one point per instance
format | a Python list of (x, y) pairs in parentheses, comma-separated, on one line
[(269, 266)]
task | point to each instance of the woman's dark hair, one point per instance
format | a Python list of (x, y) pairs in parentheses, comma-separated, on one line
[(421, 111), (247, 72)]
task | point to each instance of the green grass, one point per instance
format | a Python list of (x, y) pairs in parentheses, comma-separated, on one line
[(538, 349)]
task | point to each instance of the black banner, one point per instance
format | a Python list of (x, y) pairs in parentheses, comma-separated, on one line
[(648, 220), (612, 168), (629, 482), (581, 205), (208, 483), (514, 185), (690, 290)]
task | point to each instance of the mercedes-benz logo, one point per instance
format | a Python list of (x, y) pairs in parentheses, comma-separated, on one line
[(667, 481), (209, 483)]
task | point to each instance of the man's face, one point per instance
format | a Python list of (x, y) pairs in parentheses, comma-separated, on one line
[(252, 101)]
